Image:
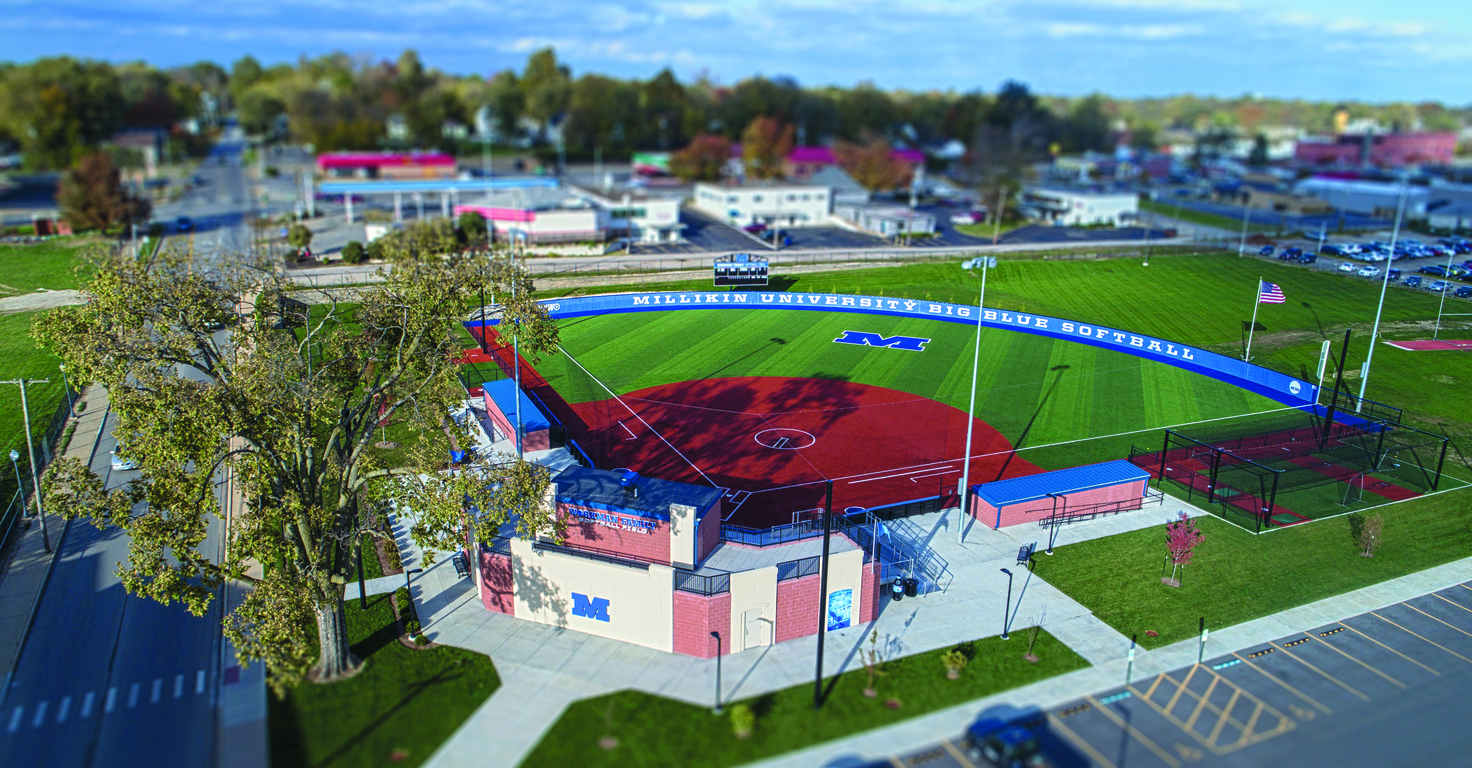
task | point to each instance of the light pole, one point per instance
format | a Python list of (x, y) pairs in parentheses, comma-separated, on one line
[(1441, 307), (717, 636), (1007, 611), (19, 488), (407, 586), (25, 411), (66, 388), (1400, 210), (965, 489)]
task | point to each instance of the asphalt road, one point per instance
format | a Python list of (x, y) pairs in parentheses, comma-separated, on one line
[(104, 678), (1384, 688), (217, 206)]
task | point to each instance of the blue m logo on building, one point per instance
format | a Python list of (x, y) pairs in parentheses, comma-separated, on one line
[(590, 608), (861, 339)]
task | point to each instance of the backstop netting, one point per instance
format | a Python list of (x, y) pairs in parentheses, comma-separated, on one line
[(1297, 465)]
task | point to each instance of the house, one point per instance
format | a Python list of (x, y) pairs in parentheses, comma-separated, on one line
[(780, 204)]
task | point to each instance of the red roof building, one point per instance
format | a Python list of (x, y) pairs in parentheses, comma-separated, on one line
[(387, 165), (1391, 150)]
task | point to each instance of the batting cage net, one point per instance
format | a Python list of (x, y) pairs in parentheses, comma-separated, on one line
[(1292, 466)]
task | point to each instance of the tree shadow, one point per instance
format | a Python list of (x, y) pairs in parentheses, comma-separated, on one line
[(442, 676)]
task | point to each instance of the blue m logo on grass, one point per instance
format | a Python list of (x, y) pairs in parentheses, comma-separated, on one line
[(861, 339), (594, 608)]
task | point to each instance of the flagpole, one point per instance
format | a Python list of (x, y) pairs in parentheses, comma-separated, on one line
[(1256, 302)]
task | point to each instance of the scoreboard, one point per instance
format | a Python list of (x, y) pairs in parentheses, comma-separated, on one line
[(740, 269)]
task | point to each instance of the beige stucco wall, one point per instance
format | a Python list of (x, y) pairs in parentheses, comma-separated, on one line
[(683, 535), (753, 591), (641, 602)]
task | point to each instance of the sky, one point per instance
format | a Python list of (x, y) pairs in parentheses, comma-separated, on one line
[(1412, 50)]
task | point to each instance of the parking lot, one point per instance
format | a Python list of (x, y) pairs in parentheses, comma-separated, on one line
[(1356, 692), (1351, 268)]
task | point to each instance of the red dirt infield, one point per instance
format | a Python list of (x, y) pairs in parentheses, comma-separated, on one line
[(1432, 345)]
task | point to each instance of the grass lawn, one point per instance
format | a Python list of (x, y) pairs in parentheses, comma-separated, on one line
[(1193, 216), (50, 265), (1238, 577), (403, 699), (656, 731)]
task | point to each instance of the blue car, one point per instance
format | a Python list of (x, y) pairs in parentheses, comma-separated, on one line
[(183, 224), (1267, 250)]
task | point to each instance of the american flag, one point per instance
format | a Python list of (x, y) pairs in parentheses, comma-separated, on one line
[(1269, 293)]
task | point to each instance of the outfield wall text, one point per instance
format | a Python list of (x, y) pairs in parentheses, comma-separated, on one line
[(1254, 378)]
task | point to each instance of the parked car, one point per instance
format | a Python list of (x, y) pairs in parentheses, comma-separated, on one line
[(1394, 273), (1439, 286), (1368, 271), (1465, 292), (1308, 258), (183, 224), (1345, 266), (967, 218), (122, 463), (1433, 269), (1413, 280), (1291, 253), (1267, 250), (755, 228), (1333, 249)]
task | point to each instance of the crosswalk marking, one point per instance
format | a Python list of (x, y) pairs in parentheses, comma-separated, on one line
[(87, 705), (199, 682), (15, 718), (158, 684), (178, 686), (112, 697), (132, 695), (63, 710), (40, 715)]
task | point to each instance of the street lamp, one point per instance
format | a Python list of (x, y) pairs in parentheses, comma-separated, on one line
[(19, 488), (1007, 611), (965, 490), (717, 636), (67, 389), (407, 586)]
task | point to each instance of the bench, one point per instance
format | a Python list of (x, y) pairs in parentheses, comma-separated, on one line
[(1024, 553), (462, 564)]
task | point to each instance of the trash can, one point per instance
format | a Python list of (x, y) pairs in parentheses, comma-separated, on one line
[(897, 589), (912, 585)]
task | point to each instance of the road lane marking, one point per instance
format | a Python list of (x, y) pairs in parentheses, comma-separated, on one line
[(1357, 661), (87, 705), (199, 682), (1088, 748), (1433, 642), (63, 710), (1388, 648), (112, 697), (15, 718), (178, 685), (132, 695), (1135, 733), (40, 715), (1287, 687), (1327, 676)]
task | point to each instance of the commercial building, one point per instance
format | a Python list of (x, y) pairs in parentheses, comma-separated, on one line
[(386, 165), (887, 220), (1066, 207), (776, 204), (1389, 150), (1368, 198), (646, 561), (571, 214)]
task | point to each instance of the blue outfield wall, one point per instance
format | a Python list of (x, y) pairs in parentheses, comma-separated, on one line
[(1277, 386)]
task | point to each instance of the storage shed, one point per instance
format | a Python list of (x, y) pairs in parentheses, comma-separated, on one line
[(1113, 486)]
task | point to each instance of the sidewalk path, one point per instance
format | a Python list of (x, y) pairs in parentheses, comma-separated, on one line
[(26, 574)]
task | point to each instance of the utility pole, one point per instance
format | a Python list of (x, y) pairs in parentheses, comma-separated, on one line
[(25, 411)]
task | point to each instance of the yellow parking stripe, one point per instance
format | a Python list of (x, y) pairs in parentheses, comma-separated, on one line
[(956, 753), (1331, 678), (1433, 618), (1180, 688), (1201, 704), (1221, 722), (1132, 731), (1289, 688), (1453, 602), (1388, 648), (1088, 748), (1433, 642), (1244, 740), (1357, 661)]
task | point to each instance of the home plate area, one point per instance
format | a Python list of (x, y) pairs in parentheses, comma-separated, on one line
[(772, 442)]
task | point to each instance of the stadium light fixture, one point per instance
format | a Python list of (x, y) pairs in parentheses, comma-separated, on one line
[(1400, 210), (984, 262)]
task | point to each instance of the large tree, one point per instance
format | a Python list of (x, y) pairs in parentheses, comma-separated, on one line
[(92, 196), (765, 145), (873, 164), (208, 368), (704, 159)]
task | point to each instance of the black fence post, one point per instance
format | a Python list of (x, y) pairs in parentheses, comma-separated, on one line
[(1216, 464), (1164, 451), (1440, 463), (1273, 497)]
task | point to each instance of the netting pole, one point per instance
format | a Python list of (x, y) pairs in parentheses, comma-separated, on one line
[(1216, 463), (823, 595), (1272, 498), (1164, 450), (1439, 463), (1338, 382), (1380, 444)]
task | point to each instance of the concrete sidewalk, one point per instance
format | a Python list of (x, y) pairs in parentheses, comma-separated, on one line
[(545, 668), (25, 575)]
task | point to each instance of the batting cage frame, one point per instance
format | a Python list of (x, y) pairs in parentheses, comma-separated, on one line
[(1275, 470)]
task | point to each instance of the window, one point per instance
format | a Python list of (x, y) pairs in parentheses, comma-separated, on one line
[(806, 197), (756, 198), (791, 196), (731, 199)]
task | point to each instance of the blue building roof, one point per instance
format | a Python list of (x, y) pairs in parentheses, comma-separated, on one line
[(653, 497), (1063, 481), (503, 393)]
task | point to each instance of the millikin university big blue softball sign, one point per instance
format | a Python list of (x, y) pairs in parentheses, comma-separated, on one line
[(1280, 387)]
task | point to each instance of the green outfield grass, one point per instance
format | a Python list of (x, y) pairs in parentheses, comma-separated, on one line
[(1037, 391)]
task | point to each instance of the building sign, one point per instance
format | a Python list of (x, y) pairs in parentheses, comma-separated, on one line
[(590, 608), (610, 520), (1263, 381), (840, 609), (862, 339)]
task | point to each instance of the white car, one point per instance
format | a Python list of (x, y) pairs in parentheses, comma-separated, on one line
[(122, 463), (967, 218), (1345, 266), (1368, 272)]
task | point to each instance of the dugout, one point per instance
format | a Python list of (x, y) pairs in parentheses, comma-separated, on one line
[(645, 561), (1112, 486), (500, 400)]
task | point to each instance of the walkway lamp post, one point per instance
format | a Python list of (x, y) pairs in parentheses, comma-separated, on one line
[(964, 491), (1007, 611), (717, 636), (19, 488)]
